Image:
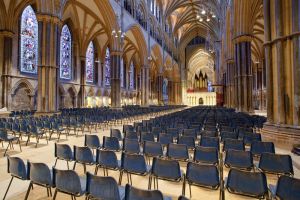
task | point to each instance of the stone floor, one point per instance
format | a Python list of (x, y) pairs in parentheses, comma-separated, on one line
[(45, 153)]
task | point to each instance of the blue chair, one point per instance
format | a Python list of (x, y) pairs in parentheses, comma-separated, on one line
[(132, 193), (111, 143), (133, 164), (210, 142), (146, 136), (276, 164), (239, 159), (165, 139), (178, 152), (257, 148), (252, 184), (131, 146), (17, 169), (4, 137), (206, 155), (188, 141), (202, 176), (39, 174), (98, 187), (84, 156), (168, 170), (116, 133), (107, 160), (63, 152), (62, 180), (152, 149), (92, 141), (287, 188), (233, 144)]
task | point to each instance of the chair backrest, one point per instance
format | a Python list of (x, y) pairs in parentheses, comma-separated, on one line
[(288, 188), (168, 169), (134, 163), (127, 128), (131, 135), (146, 136), (152, 149), (247, 183), (276, 164), (16, 167), (63, 151), (165, 138), (173, 131), (102, 187), (206, 155), (228, 135), (132, 193), (111, 143), (107, 159), (248, 138), (116, 133), (67, 181), (210, 142), (203, 175), (131, 146), (239, 159), (83, 155), (3, 135), (257, 148), (233, 144), (92, 141), (156, 131), (39, 173), (178, 152), (187, 140)]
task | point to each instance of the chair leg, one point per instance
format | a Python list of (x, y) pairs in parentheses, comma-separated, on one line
[(55, 162), (6, 148), (120, 179), (50, 191), (68, 165), (19, 142), (84, 168), (8, 187), (28, 191), (74, 165), (55, 193), (96, 170)]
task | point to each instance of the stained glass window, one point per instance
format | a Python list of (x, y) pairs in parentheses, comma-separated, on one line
[(29, 41), (89, 65), (107, 67), (131, 76), (122, 73), (65, 54)]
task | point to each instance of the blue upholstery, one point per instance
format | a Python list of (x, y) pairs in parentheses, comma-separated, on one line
[(228, 135), (209, 142), (103, 188), (116, 133), (131, 135), (207, 155), (238, 159), (165, 139), (63, 152), (288, 188), (133, 163), (178, 152), (145, 136), (153, 149), (17, 168), (83, 155), (257, 147), (202, 175), (187, 140), (131, 146), (39, 173), (132, 193), (92, 141), (166, 169), (233, 144), (111, 143), (247, 183), (276, 164)]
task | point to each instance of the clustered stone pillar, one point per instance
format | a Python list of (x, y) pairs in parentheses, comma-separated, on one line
[(282, 61), (5, 70), (229, 87), (243, 74), (145, 85), (82, 81), (160, 80), (115, 79), (49, 27)]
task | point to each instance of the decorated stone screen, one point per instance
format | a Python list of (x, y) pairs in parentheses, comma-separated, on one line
[(107, 67)]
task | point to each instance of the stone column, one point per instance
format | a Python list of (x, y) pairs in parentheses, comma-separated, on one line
[(49, 29), (115, 79), (145, 85), (160, 80), (82, 82), (5, 89), (243, 74)]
